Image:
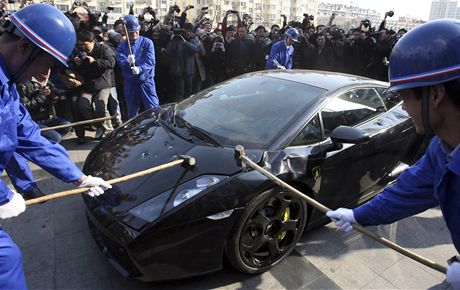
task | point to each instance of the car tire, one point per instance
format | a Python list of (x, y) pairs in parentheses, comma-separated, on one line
[(267, 231)]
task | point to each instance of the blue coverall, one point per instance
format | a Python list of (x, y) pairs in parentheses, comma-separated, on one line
[(138, 88), (19, 133), (18, 169), (434, 180), (281, 54)]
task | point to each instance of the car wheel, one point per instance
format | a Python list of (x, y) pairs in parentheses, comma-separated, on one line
[(268, 231)]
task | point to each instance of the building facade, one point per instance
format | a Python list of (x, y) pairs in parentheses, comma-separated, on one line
[(444, 9), (263, 12)]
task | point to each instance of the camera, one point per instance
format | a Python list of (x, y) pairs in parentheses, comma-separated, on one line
[(178, 31), (305, 15), (366, 23), (82, 55), (110, 8), (176, 8), (233, 11), (311, 17), (390, 13)]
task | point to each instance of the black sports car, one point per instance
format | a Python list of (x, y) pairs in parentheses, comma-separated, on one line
[(184, 221)]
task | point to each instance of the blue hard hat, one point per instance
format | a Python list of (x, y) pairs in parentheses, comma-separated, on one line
[(48, 28), (293, 34), (132, 24), (427, 55)]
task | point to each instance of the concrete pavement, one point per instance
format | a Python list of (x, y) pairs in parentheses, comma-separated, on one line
[(59, 252)]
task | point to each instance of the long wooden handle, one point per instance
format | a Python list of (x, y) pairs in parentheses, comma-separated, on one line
[(77, 123), (129, 43), (359, 228), (112, 181)]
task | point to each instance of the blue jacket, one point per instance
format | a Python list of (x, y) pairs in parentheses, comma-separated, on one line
[(144, 52), (19, 133), (434, 180), (280, 54)]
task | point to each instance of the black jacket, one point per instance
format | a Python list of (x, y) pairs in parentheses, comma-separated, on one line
[(98, 75), (38, 105)]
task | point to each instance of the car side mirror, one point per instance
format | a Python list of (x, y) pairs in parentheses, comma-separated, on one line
[(346, 134)]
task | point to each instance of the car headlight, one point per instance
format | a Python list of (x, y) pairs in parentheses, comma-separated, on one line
[(155, 207)]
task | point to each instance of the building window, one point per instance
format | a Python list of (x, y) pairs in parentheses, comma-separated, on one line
[(63, 8)]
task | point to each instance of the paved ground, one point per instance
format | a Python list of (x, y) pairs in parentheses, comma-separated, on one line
[(59, 252)]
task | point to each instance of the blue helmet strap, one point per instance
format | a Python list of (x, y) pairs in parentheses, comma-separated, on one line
[(35, 52), (425, 112)]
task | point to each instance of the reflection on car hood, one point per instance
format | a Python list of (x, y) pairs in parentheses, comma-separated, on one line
[(147, 142)]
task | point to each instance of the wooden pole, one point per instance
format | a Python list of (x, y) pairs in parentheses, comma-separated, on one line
[(324, 209), (190, 162), (77, 123)]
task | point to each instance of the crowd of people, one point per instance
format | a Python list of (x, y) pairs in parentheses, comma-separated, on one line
[(169, 60)]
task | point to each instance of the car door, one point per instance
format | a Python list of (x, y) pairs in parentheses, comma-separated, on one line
[(355, 170)]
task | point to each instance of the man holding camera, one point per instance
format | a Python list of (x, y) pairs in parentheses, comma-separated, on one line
[(262, 45), (182, 66), (95, 63), (239, 55)]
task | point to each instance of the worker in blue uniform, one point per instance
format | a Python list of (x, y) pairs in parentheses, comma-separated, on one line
[(30, 47), (137, 65), (425, 70), (282, 51)]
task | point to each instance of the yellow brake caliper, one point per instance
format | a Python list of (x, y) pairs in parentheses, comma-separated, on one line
[(286, 215)]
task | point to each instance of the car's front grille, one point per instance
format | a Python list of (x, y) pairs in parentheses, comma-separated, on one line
[(115, 252)]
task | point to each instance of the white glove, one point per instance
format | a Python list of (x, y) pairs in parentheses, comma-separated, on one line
[(14, 207), (343, 218), (136, 70), (96, 185), (280, 67), (453, 275), (131, 59)]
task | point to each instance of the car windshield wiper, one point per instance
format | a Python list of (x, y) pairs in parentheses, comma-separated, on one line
[(200, 133), (173, 129)]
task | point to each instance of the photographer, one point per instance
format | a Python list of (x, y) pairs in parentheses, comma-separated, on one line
[(216, 62), (95, 63), (148, 23), (357, 54), (262, 44), (181, 51), (224, 23), (307, 22), (170, 18), (323, 54), (378, 66), (239, 56), (275, 28), (39, 100), (201, 20)]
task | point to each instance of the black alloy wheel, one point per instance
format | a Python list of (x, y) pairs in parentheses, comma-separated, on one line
[(268, 231)]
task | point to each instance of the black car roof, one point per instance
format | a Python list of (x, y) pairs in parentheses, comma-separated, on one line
[(329, 81)]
